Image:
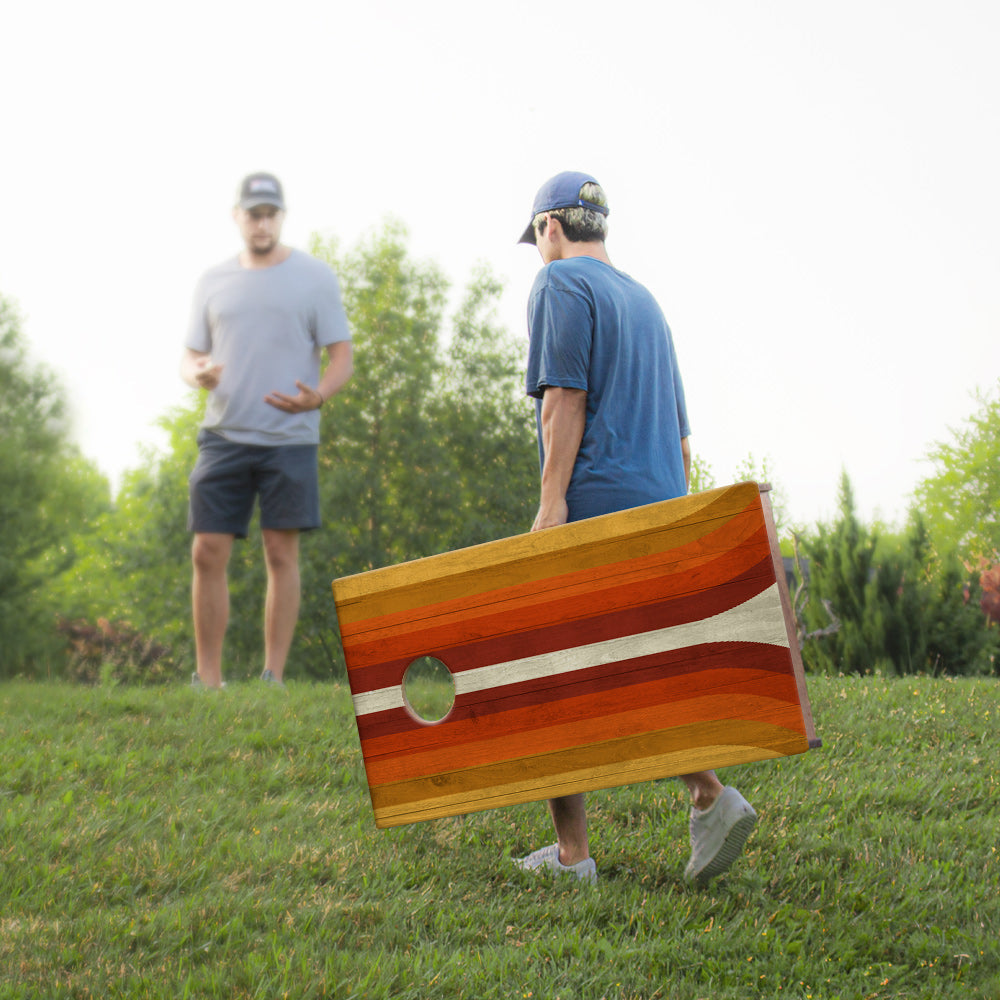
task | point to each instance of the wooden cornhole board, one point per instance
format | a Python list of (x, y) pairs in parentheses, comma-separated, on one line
[(644, 644)]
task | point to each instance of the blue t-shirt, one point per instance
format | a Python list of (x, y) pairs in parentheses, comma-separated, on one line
[(592, 327)]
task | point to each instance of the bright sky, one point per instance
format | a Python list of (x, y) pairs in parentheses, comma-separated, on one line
[(810, 190)]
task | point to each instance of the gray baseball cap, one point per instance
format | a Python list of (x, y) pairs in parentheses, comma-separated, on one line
[(261, 189)]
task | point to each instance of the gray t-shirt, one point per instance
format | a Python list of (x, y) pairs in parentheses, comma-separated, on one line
[(267, 328)]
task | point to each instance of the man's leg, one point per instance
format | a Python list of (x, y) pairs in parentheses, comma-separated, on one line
[(569, 817), (704, 787), (284, 591), (210, 602), (570, 855)]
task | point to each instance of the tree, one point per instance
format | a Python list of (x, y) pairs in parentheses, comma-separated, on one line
[(703, 478), (50, 494), (429, 447), (133, 567), (961, 500), (900, 607)]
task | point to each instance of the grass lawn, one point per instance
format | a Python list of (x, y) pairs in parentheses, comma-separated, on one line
[(174, 843)]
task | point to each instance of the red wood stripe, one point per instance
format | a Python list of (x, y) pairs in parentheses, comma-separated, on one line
[(553, 606), (546, 726), (596, 541), (569, 631), (686, 670), (712, 547)]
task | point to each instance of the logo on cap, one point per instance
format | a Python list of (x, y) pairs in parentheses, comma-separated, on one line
[(261, 189)]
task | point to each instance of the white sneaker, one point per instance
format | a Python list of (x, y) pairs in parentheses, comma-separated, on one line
[(548, 858), (718, 835), (196, 682)]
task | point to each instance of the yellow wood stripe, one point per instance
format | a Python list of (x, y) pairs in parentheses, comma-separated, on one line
[(538, 555), (645, 757), (723, 551), (513, 604)]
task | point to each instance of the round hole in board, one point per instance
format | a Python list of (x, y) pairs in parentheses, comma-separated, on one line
[(428, 689)]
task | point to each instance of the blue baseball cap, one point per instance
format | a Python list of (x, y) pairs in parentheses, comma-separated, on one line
[(561, 191)]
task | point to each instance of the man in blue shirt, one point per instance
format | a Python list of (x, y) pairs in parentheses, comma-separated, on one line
[(612, 434)]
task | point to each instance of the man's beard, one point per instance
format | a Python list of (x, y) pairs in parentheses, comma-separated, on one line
[(263, 249)]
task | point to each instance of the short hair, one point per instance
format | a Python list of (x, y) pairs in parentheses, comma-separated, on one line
[(579, 223)]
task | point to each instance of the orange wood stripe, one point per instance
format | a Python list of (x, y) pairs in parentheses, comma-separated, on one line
[(566, 634), (548, 733), (681, 668), (665, 575), (687, 761), (708, 550), (383, 772), (682, 511), (557, 605), (703, 554), (525, 705), (537, 555), (594, 757)]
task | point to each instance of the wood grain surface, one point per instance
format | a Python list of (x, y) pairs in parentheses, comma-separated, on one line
[(638, 645)]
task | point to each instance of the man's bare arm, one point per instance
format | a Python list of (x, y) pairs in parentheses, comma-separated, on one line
[(564, 416)]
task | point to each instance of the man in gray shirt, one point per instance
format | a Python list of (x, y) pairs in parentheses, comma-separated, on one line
[(259, 324)]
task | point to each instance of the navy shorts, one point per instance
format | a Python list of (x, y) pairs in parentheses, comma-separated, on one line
[(228, 477)]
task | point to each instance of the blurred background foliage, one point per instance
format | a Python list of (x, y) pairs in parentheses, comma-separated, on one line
[(429, 448)]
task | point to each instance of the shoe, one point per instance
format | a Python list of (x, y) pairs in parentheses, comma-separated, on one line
[(196, 682), (718, 835), (548, 858), (268, 678)]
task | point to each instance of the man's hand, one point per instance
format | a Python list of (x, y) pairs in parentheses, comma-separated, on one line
[(551, 515), (306, 399), (206, 373)]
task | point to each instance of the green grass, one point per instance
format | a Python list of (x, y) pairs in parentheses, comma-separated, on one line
[(171, 843)]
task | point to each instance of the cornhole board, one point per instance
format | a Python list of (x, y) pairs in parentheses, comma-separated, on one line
[(644, 644)]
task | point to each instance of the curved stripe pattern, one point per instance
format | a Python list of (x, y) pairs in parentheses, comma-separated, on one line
[(756, 620), (628, 647)]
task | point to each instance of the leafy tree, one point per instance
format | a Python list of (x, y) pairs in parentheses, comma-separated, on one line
[(429, 447), (488, 422), (703, 478), (134, 566), (49, 494), (961, 501), (750, 471), (900, 607)]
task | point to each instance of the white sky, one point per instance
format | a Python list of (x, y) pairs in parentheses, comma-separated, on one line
[(812, 191)]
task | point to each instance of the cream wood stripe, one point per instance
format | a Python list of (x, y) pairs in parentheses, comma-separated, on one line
[(759, 620)]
